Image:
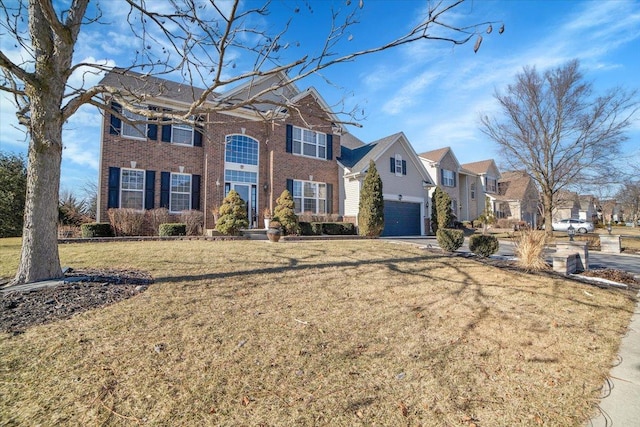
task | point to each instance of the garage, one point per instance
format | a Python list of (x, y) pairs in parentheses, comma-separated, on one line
[(401, 218)]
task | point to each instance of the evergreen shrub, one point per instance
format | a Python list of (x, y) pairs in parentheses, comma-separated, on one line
[(96, 229), (483, 244), (449, 239), (173, 229)]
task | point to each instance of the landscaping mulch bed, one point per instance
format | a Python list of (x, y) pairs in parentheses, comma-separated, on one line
[(96, 288)]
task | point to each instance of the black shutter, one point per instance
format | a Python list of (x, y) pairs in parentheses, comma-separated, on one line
[(114, 188), (441, 176), (149, 189), (404, 167), (165, 189), (329, 198), (199, 130), (290, 188), (392, 163), (166, 132), (455, 175), (329, 147), (195, 192), (289, 139), (116, 124), (152, 129)]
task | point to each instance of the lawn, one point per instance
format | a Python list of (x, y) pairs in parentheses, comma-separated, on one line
[(314, 333)]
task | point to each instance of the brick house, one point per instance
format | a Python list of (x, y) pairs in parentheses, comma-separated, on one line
[(288, 142)]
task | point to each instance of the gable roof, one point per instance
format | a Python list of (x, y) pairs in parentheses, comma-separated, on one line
[(480, 167), (513, 185), (350, 141), (435, 155), (357, 160), (152, 86)]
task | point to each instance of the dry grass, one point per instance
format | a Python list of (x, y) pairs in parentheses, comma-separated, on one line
[(323, 333), (529, 249)]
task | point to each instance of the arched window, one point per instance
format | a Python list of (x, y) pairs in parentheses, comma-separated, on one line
[(241, 149)]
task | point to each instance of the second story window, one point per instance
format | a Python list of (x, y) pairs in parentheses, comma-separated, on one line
[(182, 134), (133, 129), (492, 185), (308, 143), (473, 190), (448, 178)]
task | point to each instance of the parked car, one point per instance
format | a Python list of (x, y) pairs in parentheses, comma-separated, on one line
[(581, 226)]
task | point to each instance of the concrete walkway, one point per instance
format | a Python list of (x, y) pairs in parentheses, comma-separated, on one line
[(620, 405)]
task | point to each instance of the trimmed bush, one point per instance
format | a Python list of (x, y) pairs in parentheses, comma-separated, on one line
[(338, 228), (127, 222), (449, 239), (285, 213), (305, 228), (194, 220), (96, 229), (173, 229), (483, 244), (233, 214)]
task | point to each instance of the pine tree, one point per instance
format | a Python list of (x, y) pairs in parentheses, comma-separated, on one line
[(285, 213), (233, 214), (371, 206), (434, 210), (443, 207)]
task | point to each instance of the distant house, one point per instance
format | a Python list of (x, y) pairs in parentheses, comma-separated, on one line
[(443, 166), (566, 205), (405, 182), (518, 198), (488, 176), (588, 208)]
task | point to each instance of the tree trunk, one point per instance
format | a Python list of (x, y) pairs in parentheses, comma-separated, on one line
[(39, 259), (548, 213)]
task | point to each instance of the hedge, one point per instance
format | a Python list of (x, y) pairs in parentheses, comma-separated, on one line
[(329, 228), (173, 229), (483, 244), (449, 239), (97, 229)]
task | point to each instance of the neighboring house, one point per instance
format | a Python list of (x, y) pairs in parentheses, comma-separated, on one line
[(518, 198), (464, 186), (488, 174), (405, 183), (588, 208), (259, 152), (566, 205)]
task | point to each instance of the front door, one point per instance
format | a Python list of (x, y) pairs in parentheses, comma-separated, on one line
[(248, 194)]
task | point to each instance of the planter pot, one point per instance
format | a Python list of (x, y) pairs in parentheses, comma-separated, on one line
[(273, 234)]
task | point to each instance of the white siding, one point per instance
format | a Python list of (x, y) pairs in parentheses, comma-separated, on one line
[(352, 196)]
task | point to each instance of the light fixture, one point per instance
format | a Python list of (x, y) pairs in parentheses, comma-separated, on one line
[(265, 187), (571, 232), (217, 183)]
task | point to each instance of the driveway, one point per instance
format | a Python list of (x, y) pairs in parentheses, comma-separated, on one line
[(625, 262)]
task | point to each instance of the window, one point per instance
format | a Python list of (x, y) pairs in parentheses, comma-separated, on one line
[(232, 175), (473, 190), (181, 134), (448, 178), (132, 189), (241, 149), (492, 184), (310, 197), (137, 130), (398, 165), (309, 143), (180, 196)]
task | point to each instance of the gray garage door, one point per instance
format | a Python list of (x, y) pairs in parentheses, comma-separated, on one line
[(401, 219)]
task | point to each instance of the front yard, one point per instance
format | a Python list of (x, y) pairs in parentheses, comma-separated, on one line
[(314, 333)]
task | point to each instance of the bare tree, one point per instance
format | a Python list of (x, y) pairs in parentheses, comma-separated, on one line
[(192, 41), (555, 129), (629, 199)]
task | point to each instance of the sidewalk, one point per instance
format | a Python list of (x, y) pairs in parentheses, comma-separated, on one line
[(620, 405)]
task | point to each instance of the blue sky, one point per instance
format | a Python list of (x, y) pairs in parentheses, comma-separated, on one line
[(431, 91)]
